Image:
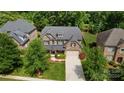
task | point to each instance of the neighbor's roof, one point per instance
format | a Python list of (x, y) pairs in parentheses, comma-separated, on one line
[(16, 35), (20, 24), (72, 33), (18, 28), (110, 37)]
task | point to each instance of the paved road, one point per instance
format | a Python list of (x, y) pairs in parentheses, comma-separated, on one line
[(23, 78), (74, 71)]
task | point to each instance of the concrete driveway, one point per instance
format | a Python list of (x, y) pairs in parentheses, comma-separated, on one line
[(74, 71)]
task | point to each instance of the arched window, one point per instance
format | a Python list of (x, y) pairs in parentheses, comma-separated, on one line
[(73, 44)]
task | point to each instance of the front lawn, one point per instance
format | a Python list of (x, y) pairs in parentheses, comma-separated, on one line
[(56, 71)]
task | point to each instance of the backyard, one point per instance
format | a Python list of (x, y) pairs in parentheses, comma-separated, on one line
[(89, 38)]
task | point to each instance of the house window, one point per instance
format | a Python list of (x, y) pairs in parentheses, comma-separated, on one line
[(122, 50), (59, 35), (109, 58), (51, 42), (119, 59), (60, 42), (46, 42), (111, 49), (55, 42), (73, 44)]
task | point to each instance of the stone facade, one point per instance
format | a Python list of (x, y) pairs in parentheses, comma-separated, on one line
[(73, 46)]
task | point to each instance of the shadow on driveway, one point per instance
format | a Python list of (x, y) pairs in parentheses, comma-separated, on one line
[(79, 71)]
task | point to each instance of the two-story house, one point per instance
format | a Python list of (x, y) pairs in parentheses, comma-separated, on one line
[(21, 31), (61, 38), (112, 43)]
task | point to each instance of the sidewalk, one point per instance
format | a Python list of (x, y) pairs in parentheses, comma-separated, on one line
[(23, 78)]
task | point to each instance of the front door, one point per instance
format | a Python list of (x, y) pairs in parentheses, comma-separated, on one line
[(120, 59)]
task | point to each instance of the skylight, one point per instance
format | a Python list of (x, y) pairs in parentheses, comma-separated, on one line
[(22, 38)]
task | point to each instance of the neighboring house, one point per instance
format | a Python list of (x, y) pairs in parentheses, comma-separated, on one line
[(112, 42), (60, 38), (21, 31)]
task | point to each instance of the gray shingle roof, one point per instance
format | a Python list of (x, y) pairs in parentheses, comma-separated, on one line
[(18, 28), (67, 32), (17, 34), (54, 47), (19, 24), (110, 37)]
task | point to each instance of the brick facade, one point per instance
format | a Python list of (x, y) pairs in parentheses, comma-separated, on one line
[(117, 55)]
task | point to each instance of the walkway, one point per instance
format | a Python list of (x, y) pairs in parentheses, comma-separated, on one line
[(23, 78), (74, 71)]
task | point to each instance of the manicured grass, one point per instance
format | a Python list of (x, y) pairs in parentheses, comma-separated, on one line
[(89, 38), (56, 71)]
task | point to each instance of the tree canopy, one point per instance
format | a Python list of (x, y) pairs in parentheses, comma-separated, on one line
[(36, 57), (95, 66), (93, 22), (9, 54)]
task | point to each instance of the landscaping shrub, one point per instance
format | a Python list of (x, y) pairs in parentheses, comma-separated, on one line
[(112, 63), (60, 56), (81, 56)]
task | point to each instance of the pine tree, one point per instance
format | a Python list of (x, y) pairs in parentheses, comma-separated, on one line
[(9, 54), (36, 58)]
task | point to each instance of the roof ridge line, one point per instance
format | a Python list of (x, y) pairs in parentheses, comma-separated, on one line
[(111, 30)]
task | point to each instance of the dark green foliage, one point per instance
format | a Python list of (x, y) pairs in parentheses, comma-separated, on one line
[(122, 70), (95, 66), (60, 56), (9, 54), (36, 57), (42, 19), (93, 22)]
